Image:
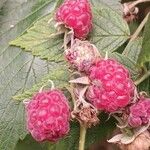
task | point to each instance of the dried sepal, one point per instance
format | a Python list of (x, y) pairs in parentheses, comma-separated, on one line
[(141, 142), (81, 80), (133, 134), (84, 112), (129, 12)]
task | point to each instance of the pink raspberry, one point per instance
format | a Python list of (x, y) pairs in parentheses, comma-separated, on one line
[(48, 116), (140, 113), (76, 14), (82, 54), (111, 87)]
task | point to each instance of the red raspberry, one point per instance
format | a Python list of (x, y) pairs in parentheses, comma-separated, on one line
[(76, 14), (48, 116), (140, 113), (82, 54), (111, 87)]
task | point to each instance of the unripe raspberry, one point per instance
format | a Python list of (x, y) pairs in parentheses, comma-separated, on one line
[(82, 55), (111, 87), (140, 113), (77, 15), (48, 116)]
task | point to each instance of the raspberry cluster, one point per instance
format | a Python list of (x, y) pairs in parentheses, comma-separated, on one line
[(106, 85), (140, 113), (48, 116), (111, 87), (77, 15)]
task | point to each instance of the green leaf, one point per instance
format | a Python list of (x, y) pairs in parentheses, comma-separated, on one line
[(115, 4), (42, 41), (59, 75), (27, 12), (145, 54), (110, 30), (133, 49), (128, 63), (18, 70)]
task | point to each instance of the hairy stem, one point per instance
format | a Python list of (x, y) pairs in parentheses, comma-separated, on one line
[(82, 137), (145, 76), (139, 29)]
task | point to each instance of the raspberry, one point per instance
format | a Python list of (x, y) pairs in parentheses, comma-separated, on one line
[(140, 113), (81, 55), (77, 15), (111, 87), (48, 116)]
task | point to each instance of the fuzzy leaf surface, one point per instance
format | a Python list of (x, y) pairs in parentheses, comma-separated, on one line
[(145, 53), (18, 70), (59, 75), (127, 62), (133, 49), (110, 30), (41, 40), (115, 4)]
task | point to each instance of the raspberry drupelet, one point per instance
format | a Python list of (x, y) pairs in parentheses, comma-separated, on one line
[(140, 113), (111, 87), (48, 116), (76, 15)]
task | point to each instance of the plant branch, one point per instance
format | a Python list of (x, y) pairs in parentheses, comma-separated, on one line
[(145, 76), (82, 137), (139, 29)]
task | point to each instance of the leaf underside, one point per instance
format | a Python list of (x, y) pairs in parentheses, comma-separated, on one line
[(18, 70)]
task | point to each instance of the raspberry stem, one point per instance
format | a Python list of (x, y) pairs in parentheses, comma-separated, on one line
[(139, 29), (145, 76), (82, 137)]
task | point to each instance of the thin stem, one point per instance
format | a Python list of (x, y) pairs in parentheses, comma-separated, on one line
[(65, 38), (145, 76), (82, 137), (139, 29)]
